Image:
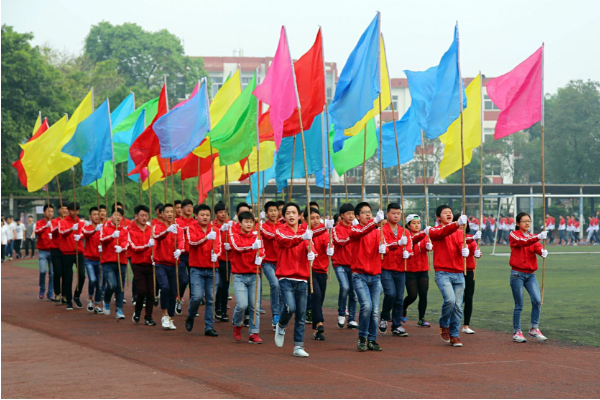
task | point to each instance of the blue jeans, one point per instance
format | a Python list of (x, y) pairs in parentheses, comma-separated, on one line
[(393, 296), (166, 276), (110, 273), (368, 289), (529, 281), (347, 293), (276, 300), (561, 236), (45, 262), (93, 271), (452, 287), (294, 294), (244, 287), (9, 248), (201, 284)]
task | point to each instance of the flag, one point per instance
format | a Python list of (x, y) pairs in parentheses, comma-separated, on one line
[(435, 92), (359, 84), (39, 128), (82, 111), (91, 144), (154, 173), (352, 154), (122, 111), (519, 94), (136, 130), (235, 135), (278, 89), (265, 177), (322, 176), (122, 131), (183, 128), (409, 137)]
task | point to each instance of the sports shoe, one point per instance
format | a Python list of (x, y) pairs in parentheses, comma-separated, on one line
[(373, 346), (98, 310), (63, 300), (254, 339), (124, 300), (299, 352), (246, 321), (519, 338), (403, 318), (423, 324), (229, 298), (347, 313), (445, 334), (341, 321), (468, 330), (69, 306), (308, 318), (318, 336), (156, 301), (164, 321), (275, 321), (262, 311), (279, 335), (120, 314), (149, 321), (77, 302), (135, 317), (171, 324), (106, 308), (50, 297), (536, 333), (352, 325), (455, 342), (90, 306), (237, 333), (362, 344), (133, 302), (399, 331), (57, 300), (189, 324), (178, 307), (211, 332), (41, 295), (225, 318), (383, 326)]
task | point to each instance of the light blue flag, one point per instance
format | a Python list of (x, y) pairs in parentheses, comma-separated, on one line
[(265, 177), (322, 176), (359, 83), (409, 137), (135, 131), (124, 109), (182, 129), (435, 93), (91, 144)]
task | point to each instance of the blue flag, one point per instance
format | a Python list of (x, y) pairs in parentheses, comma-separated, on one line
[(91, 144), (435, 93), (122, 111), (409, 137), (359, 83), (265, 177), (182, 129)]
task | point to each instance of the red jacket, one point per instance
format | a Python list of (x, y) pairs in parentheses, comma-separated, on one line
[(138, 239), (320, 243), (419, 261), (292, 262), (523, 248), (392, 260), (184, 223), (200, 248), (223, 256), (447, 246), (92, 241), (108, 243), (242, 255), (165, 244), (365, 249), (267, 230), (56, 237), (41, 231), (343, 247), (471, 263), (67, 242)]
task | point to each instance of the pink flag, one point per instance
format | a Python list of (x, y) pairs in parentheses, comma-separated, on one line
[(518, 94), (278, 90)]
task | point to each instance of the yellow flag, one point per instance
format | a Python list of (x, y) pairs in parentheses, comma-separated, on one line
[(38, 123), (386, 97), (452, 160), (234, 172), (267, 149), (155, 174), (82, 111)]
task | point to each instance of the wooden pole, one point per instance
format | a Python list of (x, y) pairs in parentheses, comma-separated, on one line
[(77, 222), (425, 189), (115, 191), (292, 173), (100, 253), (123, 185), (381, 241), (256, 287), (307, 193), (462, 147), (140, 189), (387, 190), (330, 265), (174, 221), (345, 186), (151, 233), (212, 192), (480, 171), (362, 188), (59, 196)]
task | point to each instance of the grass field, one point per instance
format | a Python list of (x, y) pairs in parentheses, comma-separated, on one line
[(571, 302)]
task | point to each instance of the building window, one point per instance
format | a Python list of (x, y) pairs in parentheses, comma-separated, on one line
[(216, 83), (246, 81), (394, 102), (489, 105)]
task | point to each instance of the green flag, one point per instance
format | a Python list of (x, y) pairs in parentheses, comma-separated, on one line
[(353, 154), (235, 135)]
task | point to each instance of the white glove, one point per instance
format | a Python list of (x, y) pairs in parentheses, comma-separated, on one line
[(379, 217), (151, 242), (310, 256), (354, 222), (49, 224), (50, 236), (462, 220), (88, 223), (263, 215), (172, 228), (176, 254), (427, 230), (330, 251), (382, 249), (477, 235), (328, 224), (405, 254), (118, 249), (258, 260), (307, 235), (98, 227), (544, 253), (116, 234), (257, 244), (99, 248), (75, 227), (225, 227), (213, 257), (227, 246), (481, 227), (77, 237), (542, 235), (148, 223), (429, 246), (211, 236), (477, 253), (465, 252), (403, 240)]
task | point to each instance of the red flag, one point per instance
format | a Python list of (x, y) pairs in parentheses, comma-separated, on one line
[(17, 164), (147, 145)]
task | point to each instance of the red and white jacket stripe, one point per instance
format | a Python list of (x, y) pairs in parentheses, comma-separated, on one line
[(41, 231), (67, 242), (109, 255), (392, 260), (365, 248), (139, 250), (341, 241), (92, 241), (268, 231), (165, 244), (200, 247), (523, 248), (242, 254), (447, 243), (292, 262)]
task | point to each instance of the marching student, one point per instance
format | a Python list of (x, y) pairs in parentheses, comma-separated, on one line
[(57, 257), (91, 255), (562, 228), (140, 242), (523, 262), (268, 231), (576, 231), (222, 225), (167, 250), (202, 238), (341, 265), (71, 247), (293, 272), (570, 229), (102, 213), (44, 245), (177, 206), (280, 218), (185, 219), (114, 241), (448, 263), (246, 258), (393, 269)]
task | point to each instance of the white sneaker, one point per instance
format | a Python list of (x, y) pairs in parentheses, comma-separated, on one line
[(536, 333), (171, 324), (341, 321), (468, 330), (279, 336), (90, 306), (353, 325), (165, 322), (299, 352)]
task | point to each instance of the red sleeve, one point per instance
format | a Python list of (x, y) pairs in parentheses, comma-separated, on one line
[(517, 241), (440, 232), (180, 239), (418, 237), (159, 232), (357, 231), (64, 227), (287, 241), (88, 230), (339, 237), (236, 244)]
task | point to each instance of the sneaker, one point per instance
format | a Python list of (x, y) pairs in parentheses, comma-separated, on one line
[(63, 301), (77, 302), (275, 321), (399, 331), (218, 315), (403, 318), (229, 298), (352, 325), (156, 301), (254, 339), (237, 333), (164, 321), (90, 306), (211, 332), (445, 334), (455, 342), (133, 301), (536, 333), (308, 318), (225, 318), (383, 326), (106, 308), (319, 336), (69, 306), (519, 338), (149, 321), (135, 317), (178, 308), (262, 311), (124, 300), (299, 352), (50, 297), (120, 314), (98, 310), (279, 335), (341, 321), (171, 324), (246, 321), (373, 346), (189, 324), (423, 324), (362, 344), (347, 313), (468, 330), (41, 295)]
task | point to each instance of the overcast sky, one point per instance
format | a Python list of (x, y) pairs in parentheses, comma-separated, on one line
[(495, 35)]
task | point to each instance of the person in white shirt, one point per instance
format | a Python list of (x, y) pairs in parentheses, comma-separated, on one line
[(19, 234), (10, 235), (4, 237)]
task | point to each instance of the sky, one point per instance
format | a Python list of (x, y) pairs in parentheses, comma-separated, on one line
[(494, 35)]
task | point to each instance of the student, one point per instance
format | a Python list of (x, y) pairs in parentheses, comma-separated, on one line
[(341, 265), (102, 213), (417, 270), (576, 231), (448, 263), (29, 237), (393, 269), (71, 245), (202, 238), (19, 234), (9, 231), (268, 230), (57, 257), (177, 207), (562, 226), (293, 273), (4, 235), (44, 245), (168, 248), (221, 224), (114, 241), (570, 229), (523, 249), (185, 219), (91, 254), (141, 243), (280, 218), (158, 216)]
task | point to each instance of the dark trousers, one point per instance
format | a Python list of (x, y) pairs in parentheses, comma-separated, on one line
[(318, 297), (57, 264), (166, 276), (3, 246), (223, 290), (30, 244), (468, 297), (184, 274), (143, 278), (18, 243), (417, 283), (70, 261)]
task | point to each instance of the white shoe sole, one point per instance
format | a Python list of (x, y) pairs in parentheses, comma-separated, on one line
[(300, 355), (469, 332), (538, 338)]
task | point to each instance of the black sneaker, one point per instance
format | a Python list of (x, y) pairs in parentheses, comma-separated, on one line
[(320, 329), (318, 336), (149, 321), (211, 332), (373, 346), (156, 302), (69, 306), (133, 301), (218, 315), (63, 301), (77, 302), (308, 316), (189, 324), (225, 318), (57, 300), (135, 318), (362, 344), (178, 308), (246, 321)]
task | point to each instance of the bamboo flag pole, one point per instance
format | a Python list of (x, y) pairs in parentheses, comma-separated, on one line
[(543, 183), (462, 146), (78, 230), (227, 213), (59, 197), (99, 253), (140, 189), (175, 222), (425, 190), (364, 164), (105, 191), (123, 185), (151, 232), (387, 190), (212, 192), (115, 189), (256, 288), (381, 241), (345, 186), (480, 171), (329, 175), (292, 172)]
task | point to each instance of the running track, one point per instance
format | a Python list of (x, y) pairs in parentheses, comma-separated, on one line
[(50, 352)]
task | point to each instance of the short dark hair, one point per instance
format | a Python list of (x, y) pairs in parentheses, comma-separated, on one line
[(220, 206), (438, 211), (120, 211), (166, 205), (280, 203), (314, 204), (286, 206), (245, 215), (344, 208), (335, 218), (72, 206), (158, 207), (101, 207), (139, 208), (93, 209), (521, 215), (47, 206), (240, 205), (187, 202), (201, 207), (393, 206), (360, 206), (313, 210), (176, 202), (269, 204)]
